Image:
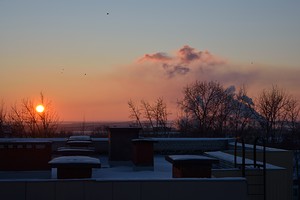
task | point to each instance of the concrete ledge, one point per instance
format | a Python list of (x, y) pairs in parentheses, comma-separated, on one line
[(230, 158), (79, 137), (160, 189), (162, 146), (75, 151), (188, 145)]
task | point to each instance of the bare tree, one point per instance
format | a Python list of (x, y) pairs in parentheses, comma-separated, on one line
[(25, 120), (204, 101), (155, 115), (184, 123), (2, 116), (148, 112), (49, 118), (243, 112), (224, 109), (271, 105), (17, 122), (30, 117), (160, 114), (214, 109), (135, 112), (293, 111)]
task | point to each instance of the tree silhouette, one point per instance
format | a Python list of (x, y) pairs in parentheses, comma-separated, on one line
[(25, 121), (277, 109)]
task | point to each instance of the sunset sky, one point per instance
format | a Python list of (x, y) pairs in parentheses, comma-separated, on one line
[(90, 57)]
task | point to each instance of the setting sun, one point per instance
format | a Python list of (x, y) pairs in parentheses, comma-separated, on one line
[(40, 108)]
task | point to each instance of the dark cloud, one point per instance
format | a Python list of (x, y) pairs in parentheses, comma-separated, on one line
[(188, 54), (175, 70)]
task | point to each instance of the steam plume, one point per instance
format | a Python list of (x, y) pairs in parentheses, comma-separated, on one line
[(184, 61)]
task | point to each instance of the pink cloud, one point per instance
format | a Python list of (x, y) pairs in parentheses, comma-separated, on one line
[(155, 57), (186, 60)]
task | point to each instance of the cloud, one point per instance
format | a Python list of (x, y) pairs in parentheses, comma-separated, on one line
[(188, 54), (185, 60), (167, 74), (156, 57), (173, 70)]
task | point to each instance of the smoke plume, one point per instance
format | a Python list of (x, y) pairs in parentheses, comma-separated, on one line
[(186, 60)]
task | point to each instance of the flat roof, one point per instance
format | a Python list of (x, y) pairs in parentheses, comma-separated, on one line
[(119, 170)]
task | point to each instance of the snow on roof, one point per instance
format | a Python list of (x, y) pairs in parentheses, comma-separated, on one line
[(230, 158)]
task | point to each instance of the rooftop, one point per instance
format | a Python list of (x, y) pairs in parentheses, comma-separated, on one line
[(224, 179)]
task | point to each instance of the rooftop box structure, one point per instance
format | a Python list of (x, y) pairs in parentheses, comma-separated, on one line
[(120, 143), (20, 155)]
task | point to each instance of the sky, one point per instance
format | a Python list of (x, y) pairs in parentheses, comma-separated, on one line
[(91, 57)]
